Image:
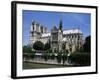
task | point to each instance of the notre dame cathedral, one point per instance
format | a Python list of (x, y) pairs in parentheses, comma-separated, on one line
[(58, 38)]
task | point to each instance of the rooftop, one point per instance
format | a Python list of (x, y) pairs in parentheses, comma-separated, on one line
[(72, 31), (46, 34), (67, 31)]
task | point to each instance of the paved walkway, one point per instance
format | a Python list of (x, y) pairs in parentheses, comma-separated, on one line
[(49, 61)]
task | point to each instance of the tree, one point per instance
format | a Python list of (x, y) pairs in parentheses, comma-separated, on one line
[(47, 46), (27, 49), (46, 56), (28, 52), (64, 56), (38, 45), (59, 57), (81, 59), (52, 56), (87, 44)]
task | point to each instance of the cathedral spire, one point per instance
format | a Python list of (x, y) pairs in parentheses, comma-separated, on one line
[(60, 25)]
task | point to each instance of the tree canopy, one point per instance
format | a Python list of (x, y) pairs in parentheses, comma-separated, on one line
[(87, 44), (47, 46), (38, 45), (27, 49)]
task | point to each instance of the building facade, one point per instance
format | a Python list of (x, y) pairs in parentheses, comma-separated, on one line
[(59, 39)]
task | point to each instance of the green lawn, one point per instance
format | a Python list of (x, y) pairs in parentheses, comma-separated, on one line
[(29, 65)]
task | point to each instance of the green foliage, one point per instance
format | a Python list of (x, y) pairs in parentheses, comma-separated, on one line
[(38, 45), (52, 56), (47, 46), (32, 55), (59, 57), (87, 44), (25, 56), (28, 52), (49, 51), (65, 51), (29, 55), (64, 56), (49, 55), (82, 59), (27, 49), (46, 56), (56, 51), (81, 49)]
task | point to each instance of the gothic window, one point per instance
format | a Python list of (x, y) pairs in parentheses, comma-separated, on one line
[(78, 37), (33, 24), (72, 36)]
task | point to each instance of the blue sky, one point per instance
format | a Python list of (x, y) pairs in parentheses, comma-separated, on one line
[(50, 19)]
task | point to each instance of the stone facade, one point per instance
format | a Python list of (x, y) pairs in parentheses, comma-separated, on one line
[(59, 39), (56, 38), (36, 32)]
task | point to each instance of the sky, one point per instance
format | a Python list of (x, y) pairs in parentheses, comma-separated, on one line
[(49, 19)]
